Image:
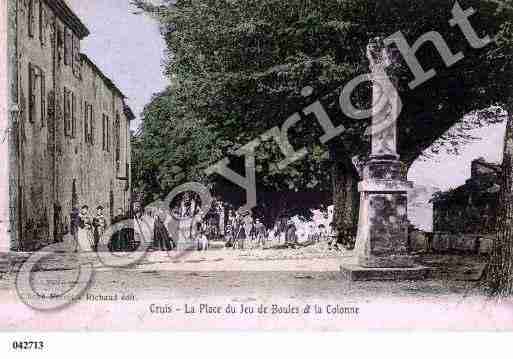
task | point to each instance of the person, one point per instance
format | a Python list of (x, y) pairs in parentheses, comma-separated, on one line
[(161, 240), (291, 239), (242, 231), (332, 237), (99, 225), (84, 232), (146, 226), (315, 234), (203, 239), (260, 233), (322, 232), (171, 225), (310, 236), (228, 235), (74, 226), (118, 241)]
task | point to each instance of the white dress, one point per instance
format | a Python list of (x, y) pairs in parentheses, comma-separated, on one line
[(85, 235)]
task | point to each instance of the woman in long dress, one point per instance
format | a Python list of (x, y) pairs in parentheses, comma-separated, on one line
[(85, 232)]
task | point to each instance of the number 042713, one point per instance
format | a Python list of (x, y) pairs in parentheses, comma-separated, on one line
[(28, 345)]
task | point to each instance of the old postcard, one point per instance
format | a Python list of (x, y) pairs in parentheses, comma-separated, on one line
[(318, 165)]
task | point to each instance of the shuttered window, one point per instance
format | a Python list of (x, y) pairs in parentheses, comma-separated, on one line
[(32, 79), (67, 112), (67, 46), (31, 18), (108, 133), (73, 115), (117, 139), (91, 125), (43, 98), (76, 61), (86, 122), (42, 34)]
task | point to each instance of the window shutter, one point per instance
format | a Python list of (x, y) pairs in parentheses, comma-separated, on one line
[(117, 139), (107, 124), (31, 18), (103, 132), (30, 104), (41, 23), (73, 115), (67, 49), (32, 93), (72, 43), (92, 124), (67, 104), (86, 118), (43, 99)]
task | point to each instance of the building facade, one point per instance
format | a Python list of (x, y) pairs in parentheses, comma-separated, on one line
[(472, 207), (68, 137)]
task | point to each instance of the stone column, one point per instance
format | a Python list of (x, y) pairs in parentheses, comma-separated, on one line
[(381, 245)]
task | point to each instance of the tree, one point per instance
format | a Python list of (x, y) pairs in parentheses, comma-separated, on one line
[(243, 65), (500, 274)]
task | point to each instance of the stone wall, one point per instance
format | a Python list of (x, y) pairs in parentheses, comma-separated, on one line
[(65, 160)]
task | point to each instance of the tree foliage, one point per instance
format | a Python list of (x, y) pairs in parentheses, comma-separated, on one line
[(238, 68)]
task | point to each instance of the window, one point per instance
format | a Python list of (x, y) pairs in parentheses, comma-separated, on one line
[(105, 133), (67, 46), (72, 48), (37, 94), (43, 99), (88, 123), (42, 16), (75, 60), (91, 125), (60, 44), (32, 78), (108, 134), (67, 112), (73, 115), (31, 18), (117, 140)]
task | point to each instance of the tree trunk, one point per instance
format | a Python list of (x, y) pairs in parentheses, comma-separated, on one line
[(500, 270), (346, 199)]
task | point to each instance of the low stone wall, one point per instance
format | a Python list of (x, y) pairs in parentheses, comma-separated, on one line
[(441, 242)]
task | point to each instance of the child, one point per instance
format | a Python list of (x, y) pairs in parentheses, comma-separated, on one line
[(332, 237), (203, 240), (291, 239)]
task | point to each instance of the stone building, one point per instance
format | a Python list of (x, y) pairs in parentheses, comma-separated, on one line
[(66, 126), (472, 207)]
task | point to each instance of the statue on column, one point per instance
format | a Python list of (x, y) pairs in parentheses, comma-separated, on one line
[(382, 240)]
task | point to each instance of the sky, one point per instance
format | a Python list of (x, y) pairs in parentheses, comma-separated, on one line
[(129, 49)]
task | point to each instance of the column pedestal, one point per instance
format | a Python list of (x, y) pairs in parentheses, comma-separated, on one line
[(382, 241)]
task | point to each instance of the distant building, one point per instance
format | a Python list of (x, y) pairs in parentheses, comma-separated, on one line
[(472, 207), (420, 207), (67, 142)]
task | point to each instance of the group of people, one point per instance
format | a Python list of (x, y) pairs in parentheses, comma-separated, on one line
[(87, 230), (159, 230), (242, 232)]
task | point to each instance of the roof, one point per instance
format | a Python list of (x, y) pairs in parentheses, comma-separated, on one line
[(493, 166), (68, 17), (128, 112), (126, 109), (99, 72)]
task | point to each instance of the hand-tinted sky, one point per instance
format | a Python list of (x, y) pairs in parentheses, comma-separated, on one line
[(129, 49)]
